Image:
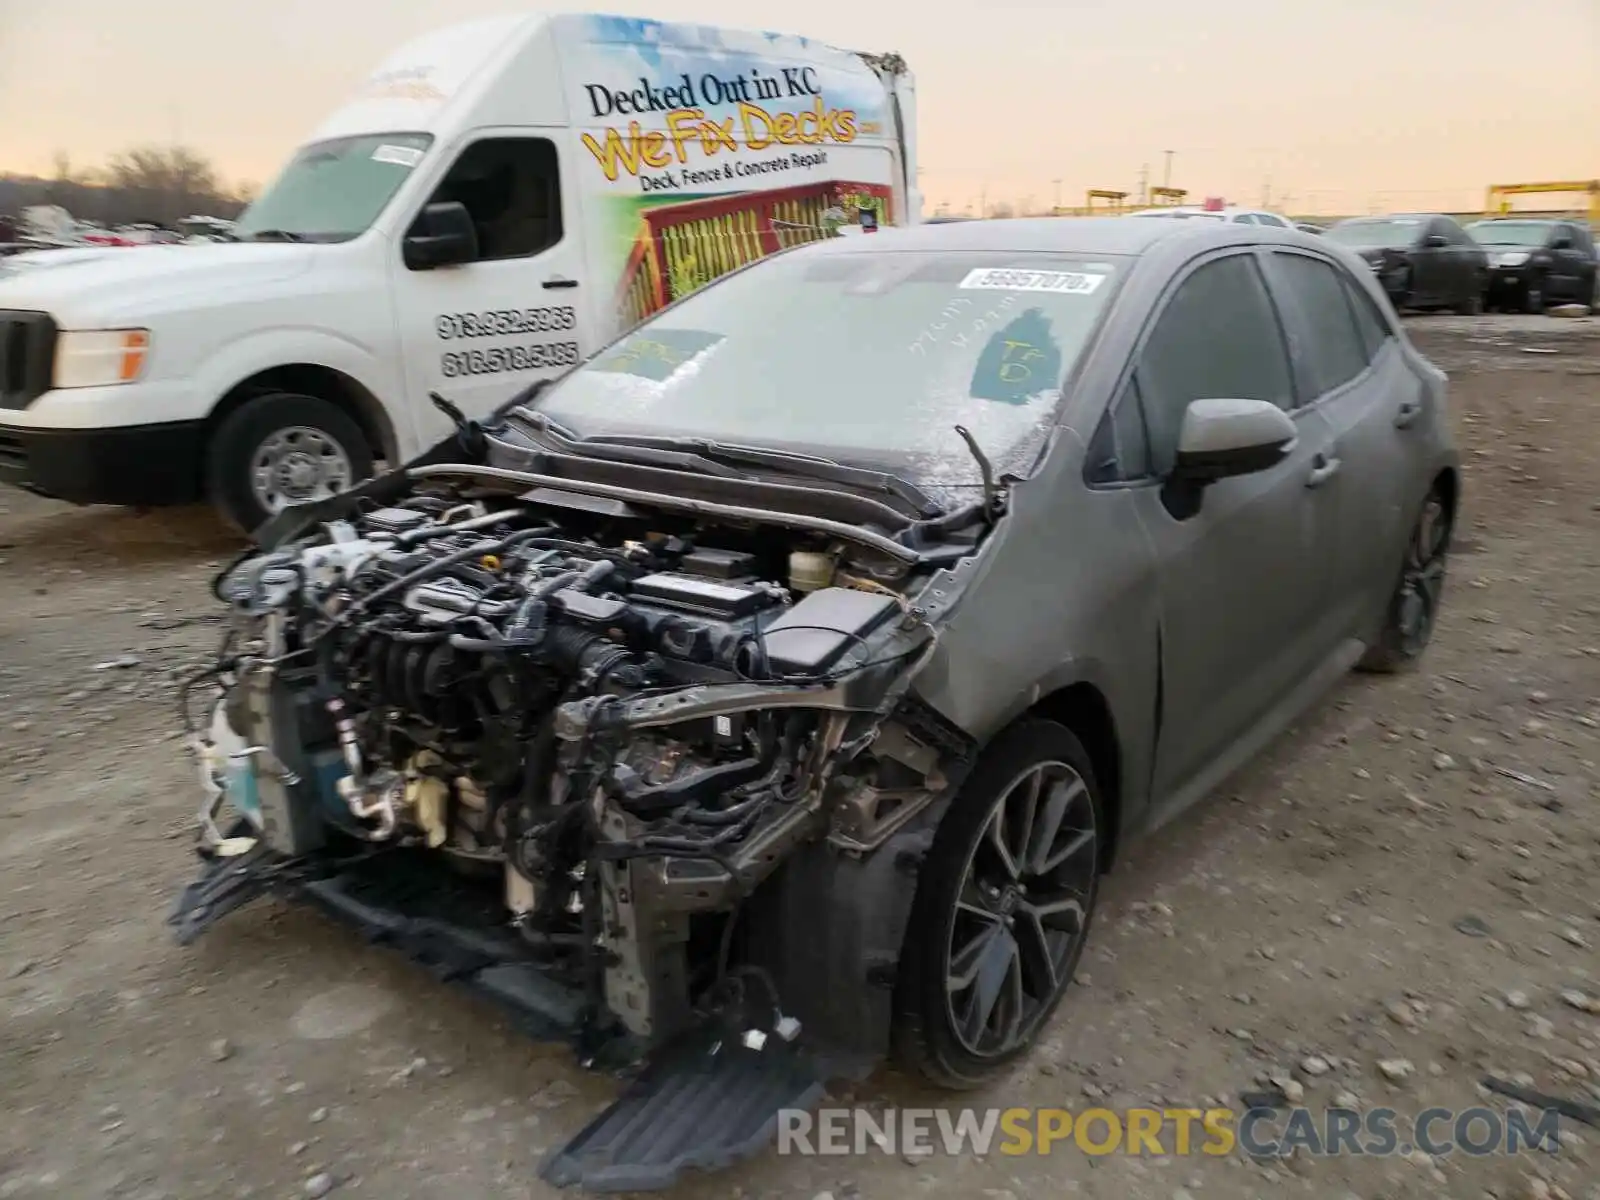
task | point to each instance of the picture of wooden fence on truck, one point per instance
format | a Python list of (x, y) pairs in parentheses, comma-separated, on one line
[(681, 247)]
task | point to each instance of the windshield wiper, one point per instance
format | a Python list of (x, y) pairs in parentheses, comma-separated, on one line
[(788, 461), (276, 235), (565, 441)]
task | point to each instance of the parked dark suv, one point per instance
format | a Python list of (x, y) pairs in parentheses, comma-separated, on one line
[(1422, 260), (1533, 263)]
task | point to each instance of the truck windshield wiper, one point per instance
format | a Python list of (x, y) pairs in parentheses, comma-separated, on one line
[(276, 235), (789, 461)]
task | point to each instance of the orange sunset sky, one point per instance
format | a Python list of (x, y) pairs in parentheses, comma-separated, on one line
[(1331, 107)]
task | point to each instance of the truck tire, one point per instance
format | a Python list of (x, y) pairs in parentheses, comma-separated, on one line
[(282, 448)]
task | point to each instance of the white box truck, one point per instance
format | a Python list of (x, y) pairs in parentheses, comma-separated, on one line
[(496, 203)]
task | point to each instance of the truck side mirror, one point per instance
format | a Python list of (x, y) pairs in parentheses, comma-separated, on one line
[(442, 236), (1561, 241), (1435, 241)]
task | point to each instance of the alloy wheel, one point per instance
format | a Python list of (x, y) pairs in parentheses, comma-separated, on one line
[(1022, 909), (1422, 581)]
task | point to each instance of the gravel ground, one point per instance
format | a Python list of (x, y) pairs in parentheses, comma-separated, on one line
[(1409, 876)]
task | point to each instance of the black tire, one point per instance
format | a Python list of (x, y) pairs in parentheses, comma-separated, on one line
[(1401, 642), (926, 1038), (231, 458), (1472, 306), (1594, 294), (1533, 297)]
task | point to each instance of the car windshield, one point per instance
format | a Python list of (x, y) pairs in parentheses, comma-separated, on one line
[(1393, 233), (333, 191), (871, 357), (1509, 233)]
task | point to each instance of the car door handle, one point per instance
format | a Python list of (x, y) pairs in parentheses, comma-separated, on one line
[(1408, 414), (560, 283), (1323, 468)]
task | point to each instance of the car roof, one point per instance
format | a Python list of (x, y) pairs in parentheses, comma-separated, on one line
[(1080, 236), (1063, 235)]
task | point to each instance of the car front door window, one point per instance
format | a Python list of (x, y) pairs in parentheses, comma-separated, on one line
[(1217, 338)]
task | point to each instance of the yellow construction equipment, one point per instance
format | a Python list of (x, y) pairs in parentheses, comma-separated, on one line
[(1498, 202), (1160, 196)]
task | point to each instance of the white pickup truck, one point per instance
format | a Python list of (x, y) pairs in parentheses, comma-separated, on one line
[(499, 200)]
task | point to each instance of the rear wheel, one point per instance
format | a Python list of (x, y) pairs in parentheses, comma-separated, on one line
[(1533, 297), (280, 449), (1002, 908), (1594, 295), (1414, 607), (1472, 305)]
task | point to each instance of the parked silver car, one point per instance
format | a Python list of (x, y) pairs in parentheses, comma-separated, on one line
[(778, 684)]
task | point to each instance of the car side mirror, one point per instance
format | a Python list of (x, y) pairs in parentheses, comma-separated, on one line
[(1435, 241), (1221, 439), (442, 236), (1561, 242)]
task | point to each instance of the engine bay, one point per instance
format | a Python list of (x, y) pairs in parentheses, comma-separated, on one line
[(609, 729)]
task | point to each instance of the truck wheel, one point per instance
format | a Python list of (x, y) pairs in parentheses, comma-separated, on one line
[(281, 449), (1533, 297)]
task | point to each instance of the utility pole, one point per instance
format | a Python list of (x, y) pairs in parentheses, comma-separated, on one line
[(1144, 185), (1057, 182), (1166, 179), (983, 201)]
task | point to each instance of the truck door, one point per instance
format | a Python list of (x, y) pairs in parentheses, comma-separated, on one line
[(479, 332)]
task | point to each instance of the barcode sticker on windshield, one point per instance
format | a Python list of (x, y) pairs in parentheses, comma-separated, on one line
[(1071, 282), (400, 156)]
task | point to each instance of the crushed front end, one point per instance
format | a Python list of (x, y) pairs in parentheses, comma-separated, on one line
[(608, 767)]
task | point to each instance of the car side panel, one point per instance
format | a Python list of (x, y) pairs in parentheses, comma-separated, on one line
[(1065, 595)]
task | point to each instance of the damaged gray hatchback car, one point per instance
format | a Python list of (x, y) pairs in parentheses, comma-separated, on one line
[(774, 689)]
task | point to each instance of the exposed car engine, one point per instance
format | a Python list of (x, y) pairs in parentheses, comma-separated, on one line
[(606, 735)]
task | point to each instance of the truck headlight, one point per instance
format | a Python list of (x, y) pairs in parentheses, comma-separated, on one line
[(100, 357)]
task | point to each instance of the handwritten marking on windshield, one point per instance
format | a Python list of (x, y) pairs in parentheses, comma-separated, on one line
[(961, 338)]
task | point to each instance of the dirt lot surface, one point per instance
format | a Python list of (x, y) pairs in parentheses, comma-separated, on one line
[(1375, 889)]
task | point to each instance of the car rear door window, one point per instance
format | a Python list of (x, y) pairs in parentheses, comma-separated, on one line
[(1330, 346), (1269, 219), (1217, 338), (1370, 321)]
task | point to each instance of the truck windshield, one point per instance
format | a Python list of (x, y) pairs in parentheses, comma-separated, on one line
[(873, 357), (332, 191)]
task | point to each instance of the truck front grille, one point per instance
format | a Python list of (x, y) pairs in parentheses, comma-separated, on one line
[(27, 356)]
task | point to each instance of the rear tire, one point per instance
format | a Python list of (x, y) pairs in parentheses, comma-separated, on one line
[(1413, 610), (1002, 911), (1472, 306), (282, 448), (1533, 298)]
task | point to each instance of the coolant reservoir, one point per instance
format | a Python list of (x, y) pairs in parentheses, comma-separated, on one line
[(809, 571)]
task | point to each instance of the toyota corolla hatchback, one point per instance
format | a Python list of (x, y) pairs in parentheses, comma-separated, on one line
[(773, 690)]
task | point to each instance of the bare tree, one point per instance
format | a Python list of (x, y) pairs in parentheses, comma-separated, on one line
[(150, 183), (166, 182)]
